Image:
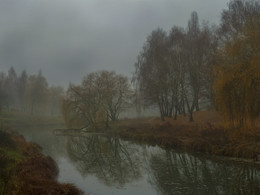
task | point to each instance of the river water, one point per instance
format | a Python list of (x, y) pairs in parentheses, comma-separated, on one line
[(106, 165)]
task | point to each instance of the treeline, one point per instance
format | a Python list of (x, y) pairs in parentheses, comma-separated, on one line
[(173, 70), (29, 93), (182, 71), (203, 65)]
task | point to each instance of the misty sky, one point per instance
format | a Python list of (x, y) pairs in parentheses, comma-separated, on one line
[(67, 39)]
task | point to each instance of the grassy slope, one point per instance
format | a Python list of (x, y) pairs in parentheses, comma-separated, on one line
[(207, 134), (23, 168)]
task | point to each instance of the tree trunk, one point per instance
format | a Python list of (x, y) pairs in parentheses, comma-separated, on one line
[(162, 117), (175, 115), (191, 116), (197, 105)]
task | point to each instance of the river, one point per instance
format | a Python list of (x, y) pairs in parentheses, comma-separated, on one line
[(106, 165)]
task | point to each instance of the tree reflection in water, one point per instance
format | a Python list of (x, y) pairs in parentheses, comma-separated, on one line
[(115, 162), (179, 173), (109, 159)]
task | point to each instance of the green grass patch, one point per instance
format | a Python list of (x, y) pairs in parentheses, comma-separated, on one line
[(15, 155), (8, 161), (9, 157)]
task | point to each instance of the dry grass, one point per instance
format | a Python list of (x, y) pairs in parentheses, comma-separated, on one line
[(206, 134), (31, 172)]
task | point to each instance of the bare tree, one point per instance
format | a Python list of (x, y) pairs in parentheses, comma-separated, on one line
[(177, 38), (153, 74), (238, 14), (201, 45), (100, 98), (117, 93)]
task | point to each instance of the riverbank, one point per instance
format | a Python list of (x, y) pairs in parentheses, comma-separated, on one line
[(25, 170), (206, 134)]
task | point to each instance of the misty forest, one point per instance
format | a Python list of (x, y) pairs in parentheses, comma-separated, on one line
[(181, 116)]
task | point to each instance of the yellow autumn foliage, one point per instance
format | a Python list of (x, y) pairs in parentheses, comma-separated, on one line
[(237, 86)]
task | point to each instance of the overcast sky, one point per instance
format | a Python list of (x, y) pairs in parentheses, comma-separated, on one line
[(67, 39)]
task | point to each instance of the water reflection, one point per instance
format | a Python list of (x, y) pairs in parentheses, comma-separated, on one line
[(106, 165), (109, 159), (179, 173)]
